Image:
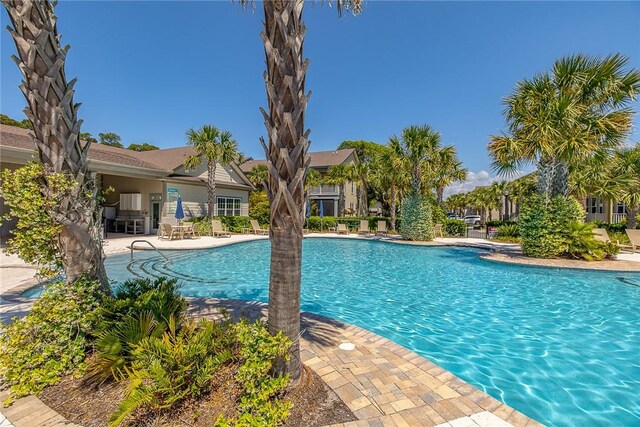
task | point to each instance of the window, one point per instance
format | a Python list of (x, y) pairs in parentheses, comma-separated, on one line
[(595, 205), (620, 208), (228, 206)]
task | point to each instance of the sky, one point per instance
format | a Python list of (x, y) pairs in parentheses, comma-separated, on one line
[(149, 71)]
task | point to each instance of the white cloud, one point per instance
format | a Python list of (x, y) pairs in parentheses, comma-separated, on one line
[(476, 179)]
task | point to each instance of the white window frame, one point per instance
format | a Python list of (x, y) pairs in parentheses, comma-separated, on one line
[(228, 206)]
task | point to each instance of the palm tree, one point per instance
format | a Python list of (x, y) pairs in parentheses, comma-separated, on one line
[(415, 147), (258, 176), (627, 162), (390, 174), (359, 173), (445, 170), (558, 119), (287, 161), (339, 175), (216, 147), (457, 203), (56, 133)]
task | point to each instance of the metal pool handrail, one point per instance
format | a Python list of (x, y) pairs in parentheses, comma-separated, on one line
[(150, 244)]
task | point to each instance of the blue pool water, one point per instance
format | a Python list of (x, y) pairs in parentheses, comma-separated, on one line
[(562, 346)]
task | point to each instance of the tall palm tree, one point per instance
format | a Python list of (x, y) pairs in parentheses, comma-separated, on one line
[(287, 161), (390, 174), (559, 118), (457, 203), (445, 169), (216, 147), (415, 146), (359, 173), (56, 133), (258, 176), (339, 175), (627, 162)]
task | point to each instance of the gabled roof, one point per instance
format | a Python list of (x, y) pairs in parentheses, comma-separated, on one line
[(164, 161), (319, 159)]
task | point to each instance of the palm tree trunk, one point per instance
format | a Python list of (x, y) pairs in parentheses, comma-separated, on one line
[(439, 194), (393, 206), (632, 217), (56, 130), (211, 188), (553, 177), (364, 195), (341, 200), (288, 161)]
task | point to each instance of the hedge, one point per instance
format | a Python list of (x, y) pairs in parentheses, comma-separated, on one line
[(455, 228)]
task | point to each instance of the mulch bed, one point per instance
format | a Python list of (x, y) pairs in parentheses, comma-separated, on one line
[(313, 403)]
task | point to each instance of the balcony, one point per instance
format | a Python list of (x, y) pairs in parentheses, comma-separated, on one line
[(325, 190)]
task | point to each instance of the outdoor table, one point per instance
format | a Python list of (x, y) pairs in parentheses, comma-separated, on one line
[(181, 229)]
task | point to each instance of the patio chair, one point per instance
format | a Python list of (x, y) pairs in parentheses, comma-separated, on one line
[(601, 235), (382, 228), (437, 229), (342, 229), (217, 230), (364, 227), (256, 229), (188, 229), (634, 240), (168, 232)]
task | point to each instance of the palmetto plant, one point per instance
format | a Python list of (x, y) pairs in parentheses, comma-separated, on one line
[(259, 176), (339, 175), (416, 147), (215, 147), (288, 162), (445, 169), (559, 118), (56, 133), (389, 173), (627, 162)]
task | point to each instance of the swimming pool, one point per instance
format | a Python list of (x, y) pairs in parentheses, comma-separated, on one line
[(562, 346)]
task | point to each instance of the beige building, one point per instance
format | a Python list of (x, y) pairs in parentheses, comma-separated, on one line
[(602, 209), (328, 194), (146, 184)]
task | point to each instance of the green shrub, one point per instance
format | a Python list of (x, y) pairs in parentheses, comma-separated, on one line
[(35, 235), (161, 297), (234, 224), (259, 207), (438, 215), (178, 366), (353, 222), (508, 231), (314, 222), (582, 244), (611, 228), (51, 340), (416, 218), (259, 405), (139, 309), (455, 228), (622, 238), (545, 223)]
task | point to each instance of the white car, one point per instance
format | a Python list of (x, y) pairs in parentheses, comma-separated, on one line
[(472, 219)]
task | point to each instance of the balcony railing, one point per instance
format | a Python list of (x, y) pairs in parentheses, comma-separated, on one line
[(324, 190), (617, 218)]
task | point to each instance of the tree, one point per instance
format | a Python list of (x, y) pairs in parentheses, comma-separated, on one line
[(445, 169), (359, 173), (145, 146), (86, 136), (627, 161), (414, 148), (259, 176), (388, 173), (56, 132), (287, 161), (339, 175), (6, 120), (111, 139), (457, 203), (215, 147), (559, 118)]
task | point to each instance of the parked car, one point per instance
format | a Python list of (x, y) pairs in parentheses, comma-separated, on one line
[(452, 215), (472, 219)]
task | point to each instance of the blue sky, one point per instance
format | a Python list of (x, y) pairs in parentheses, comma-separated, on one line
[(150, 70)]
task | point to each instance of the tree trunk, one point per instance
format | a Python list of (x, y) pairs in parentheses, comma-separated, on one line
[(287, 161), (393, 206), (553, 177), (364, 199), (632, 217), (439, 194), (211, 188), (56, 130), (341, 200)]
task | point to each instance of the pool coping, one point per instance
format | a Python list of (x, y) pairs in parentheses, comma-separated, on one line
[(380, 381)]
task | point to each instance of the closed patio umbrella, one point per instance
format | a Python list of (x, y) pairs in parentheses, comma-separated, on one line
[(179, 211)]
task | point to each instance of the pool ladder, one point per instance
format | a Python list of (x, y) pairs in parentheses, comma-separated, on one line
[(148, 243)]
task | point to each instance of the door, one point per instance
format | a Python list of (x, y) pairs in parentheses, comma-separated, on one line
[(156, 212)]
